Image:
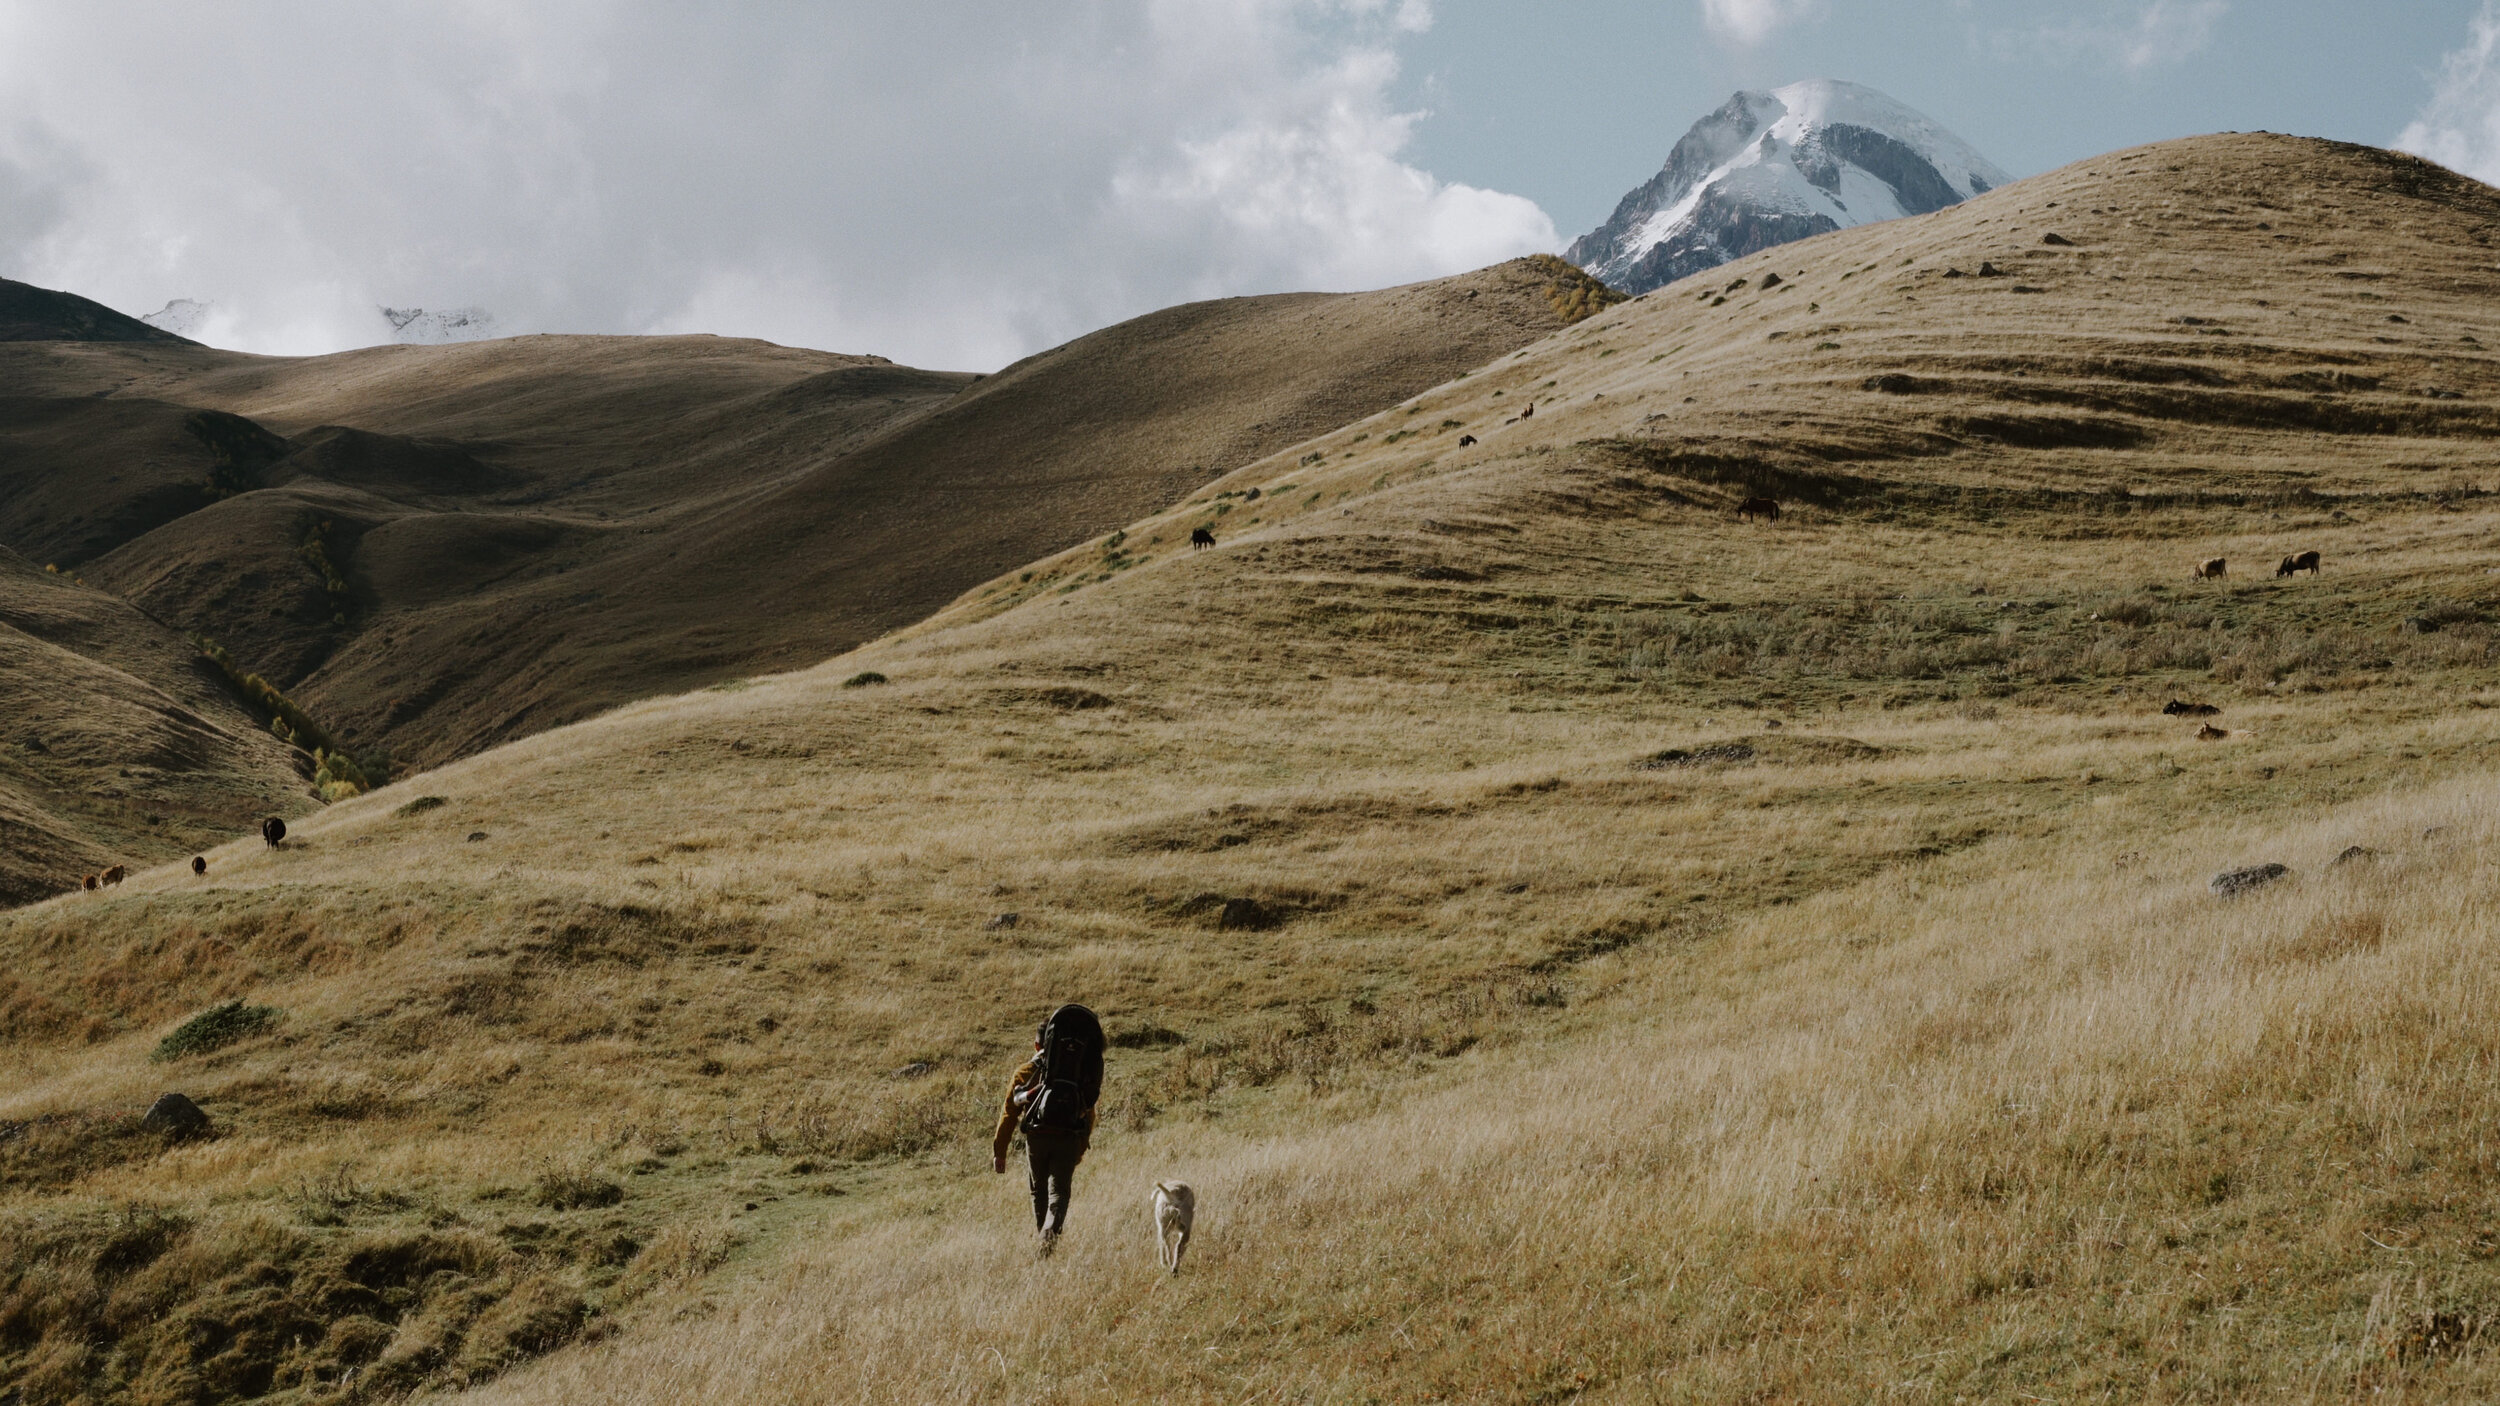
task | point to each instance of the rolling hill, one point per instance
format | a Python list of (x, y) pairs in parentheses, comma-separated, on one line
[(434, 548), (1579, 945)]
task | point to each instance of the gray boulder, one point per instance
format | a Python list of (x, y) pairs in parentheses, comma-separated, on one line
[(176, 1115), (2232, 883)]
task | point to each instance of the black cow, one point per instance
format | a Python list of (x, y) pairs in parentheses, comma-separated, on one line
[(273, 830), (1465, 440), (1202, 538)]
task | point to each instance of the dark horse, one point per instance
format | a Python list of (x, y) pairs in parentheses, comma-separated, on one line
[(1758, 507)]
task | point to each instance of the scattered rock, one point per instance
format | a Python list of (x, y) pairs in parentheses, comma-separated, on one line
[(2356, 854), (35, 744), (917, 1069), (2211, 733), (1989, 270), (476, 835), (1003, 920), (1771, 724), (1771, 281), (2434, 830), (175, 1115), (1955, 273), (2231, 883), (2058, 240)]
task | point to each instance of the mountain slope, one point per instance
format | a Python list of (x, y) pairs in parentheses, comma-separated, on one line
[(1769, 168), (521, 532), (118, 745), (1429, 838), (31, 314)]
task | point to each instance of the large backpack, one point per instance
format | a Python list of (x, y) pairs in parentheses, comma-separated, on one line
[(1071, 1072)]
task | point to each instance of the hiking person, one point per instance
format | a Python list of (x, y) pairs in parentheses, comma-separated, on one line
[(1052, 1098)]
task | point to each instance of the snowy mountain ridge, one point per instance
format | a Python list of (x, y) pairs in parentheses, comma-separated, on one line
[(1770, 167)]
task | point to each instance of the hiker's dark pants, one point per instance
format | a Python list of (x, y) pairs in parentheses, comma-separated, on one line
[(1052, 1157)]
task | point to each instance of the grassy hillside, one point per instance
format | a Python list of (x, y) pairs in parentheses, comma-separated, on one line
[(116, 745), (1577, 942)]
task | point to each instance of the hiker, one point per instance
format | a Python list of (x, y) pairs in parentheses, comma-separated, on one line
[(1052, 1099)]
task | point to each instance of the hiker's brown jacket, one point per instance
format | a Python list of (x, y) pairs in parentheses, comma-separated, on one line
[(1020, 1091)]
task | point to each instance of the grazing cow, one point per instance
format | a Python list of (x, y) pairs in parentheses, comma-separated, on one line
[(2209, 570), (2306, 561), (199, 864), (1202, 538), (1758, 507), (273, 830), (1465, 440), (2179, 708), (113, 875), (91, 883)]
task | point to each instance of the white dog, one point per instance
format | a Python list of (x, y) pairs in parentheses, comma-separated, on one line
[(1176, 1209)]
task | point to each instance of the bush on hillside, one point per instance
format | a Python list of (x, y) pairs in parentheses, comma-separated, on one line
[(862, 680), (214, 1029)]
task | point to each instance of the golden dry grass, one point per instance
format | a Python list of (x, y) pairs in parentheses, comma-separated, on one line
[(1570, 1045)]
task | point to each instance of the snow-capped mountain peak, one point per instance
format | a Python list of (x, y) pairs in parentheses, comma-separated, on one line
[(1767, 168)]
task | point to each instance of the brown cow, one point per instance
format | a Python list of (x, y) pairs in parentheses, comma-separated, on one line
[(91, 884), (199, 864), (2209, 570), (1531, 410), (2211, 733), (1758, 507), (2306, 561), (113, 875)]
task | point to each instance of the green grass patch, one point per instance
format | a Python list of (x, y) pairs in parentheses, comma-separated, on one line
[(214, 1029)]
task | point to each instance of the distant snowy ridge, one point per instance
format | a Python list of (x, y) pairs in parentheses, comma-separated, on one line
[(1772, 167), (184, 317), (435, 328)]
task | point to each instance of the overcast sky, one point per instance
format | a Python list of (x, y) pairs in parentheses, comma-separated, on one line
[(956, 183)]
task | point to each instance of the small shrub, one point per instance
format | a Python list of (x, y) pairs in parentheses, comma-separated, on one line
[(214, 1029), (420, 806), (867, 677), (560, 1190)]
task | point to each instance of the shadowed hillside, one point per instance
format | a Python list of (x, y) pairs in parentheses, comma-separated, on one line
[(433, 548), (1580, 945), (523, 531), (31, 314)]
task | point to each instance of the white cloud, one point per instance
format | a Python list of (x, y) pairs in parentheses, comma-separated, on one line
[(2133, 36), (1750, 21), (951, 182), (2460, 126)]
